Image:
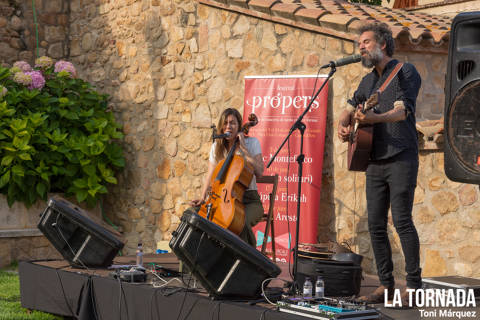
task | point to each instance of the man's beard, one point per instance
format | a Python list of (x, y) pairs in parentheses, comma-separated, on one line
[(372, 58)]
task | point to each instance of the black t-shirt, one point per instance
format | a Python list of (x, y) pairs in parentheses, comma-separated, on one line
[(392, 138)]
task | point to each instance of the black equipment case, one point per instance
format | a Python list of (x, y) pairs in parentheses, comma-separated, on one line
[(79, 239), (341, 278), (225, 265)]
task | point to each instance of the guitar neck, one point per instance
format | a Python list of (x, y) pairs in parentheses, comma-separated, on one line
[(366, 107)]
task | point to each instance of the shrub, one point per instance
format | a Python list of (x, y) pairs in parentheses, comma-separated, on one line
[(56, 134)]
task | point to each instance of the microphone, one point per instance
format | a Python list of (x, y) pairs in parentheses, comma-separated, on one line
[(221, 136), (344, 61)]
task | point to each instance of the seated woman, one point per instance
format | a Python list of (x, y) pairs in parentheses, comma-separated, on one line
[(249, 147)]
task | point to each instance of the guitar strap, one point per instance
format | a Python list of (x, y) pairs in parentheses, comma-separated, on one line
[(390, 77)]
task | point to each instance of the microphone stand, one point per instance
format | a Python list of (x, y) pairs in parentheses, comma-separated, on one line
[(214, 131), (301, 127)]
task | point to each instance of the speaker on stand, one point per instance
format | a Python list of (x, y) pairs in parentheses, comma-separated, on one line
[(462, 100), (225, 265), (79, 239)]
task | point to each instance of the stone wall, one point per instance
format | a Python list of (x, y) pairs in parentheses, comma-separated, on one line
[(19, 237), (172, 66), (18, 39), (14, 249)]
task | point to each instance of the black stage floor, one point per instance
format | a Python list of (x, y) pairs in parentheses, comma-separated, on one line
[(56, 287)]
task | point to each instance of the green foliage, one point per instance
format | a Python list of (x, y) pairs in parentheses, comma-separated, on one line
[(10, 307), (57, 139)]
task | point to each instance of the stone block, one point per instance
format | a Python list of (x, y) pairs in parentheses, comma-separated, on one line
[(469, 253), (148, 143), (163, 170), (134, 213), (56, 50), (158, 190), (168, 202), (53, 6), (171, 147), (269, 39), (468, 194), (179, 168), (201, 116), (276, 63), (241, 26), (445, 202), (423, 215), (55, 33), (435, 265), (156, 206)]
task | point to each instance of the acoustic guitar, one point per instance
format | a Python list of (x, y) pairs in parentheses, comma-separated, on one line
[(360, 139), (361, 136)]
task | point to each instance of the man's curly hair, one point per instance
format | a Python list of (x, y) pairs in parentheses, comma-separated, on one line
[(383, 35)]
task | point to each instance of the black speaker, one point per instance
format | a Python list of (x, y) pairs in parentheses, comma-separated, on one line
[(225, 265), (80, 240), (462, 100)]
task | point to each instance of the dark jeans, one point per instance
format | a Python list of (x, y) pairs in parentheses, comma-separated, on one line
[(391, 183)]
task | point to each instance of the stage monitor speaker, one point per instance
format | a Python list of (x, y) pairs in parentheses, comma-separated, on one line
[(462, 100), (226, 266), (80, 240)]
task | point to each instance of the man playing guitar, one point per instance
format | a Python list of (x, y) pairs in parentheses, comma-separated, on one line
[(391, 174)]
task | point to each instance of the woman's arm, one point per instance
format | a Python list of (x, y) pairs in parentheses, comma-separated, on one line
[(206, 186), (256, 161)]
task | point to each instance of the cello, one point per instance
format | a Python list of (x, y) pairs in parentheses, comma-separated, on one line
[(230, 179)]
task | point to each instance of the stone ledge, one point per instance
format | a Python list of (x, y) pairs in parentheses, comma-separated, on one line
[(16, 233)]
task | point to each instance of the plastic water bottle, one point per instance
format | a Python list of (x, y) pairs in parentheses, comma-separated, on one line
[(140, 255), (307, 288), (319, 288)]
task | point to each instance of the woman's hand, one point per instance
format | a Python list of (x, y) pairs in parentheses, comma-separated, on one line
[(206, 187), (196, 202)]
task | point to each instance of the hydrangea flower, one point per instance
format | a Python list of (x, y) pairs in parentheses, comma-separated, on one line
[(22, 78), (63, 65), (23, 66), (43, 62), (14, 70), (3, 91), (38, 81)]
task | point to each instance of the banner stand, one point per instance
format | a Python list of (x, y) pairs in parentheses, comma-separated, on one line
[(301, 127)]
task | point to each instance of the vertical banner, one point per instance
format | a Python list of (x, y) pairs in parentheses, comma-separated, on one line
[(278, 101)]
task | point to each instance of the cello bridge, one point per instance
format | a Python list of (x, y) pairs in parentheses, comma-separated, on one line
[(214, 195)]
